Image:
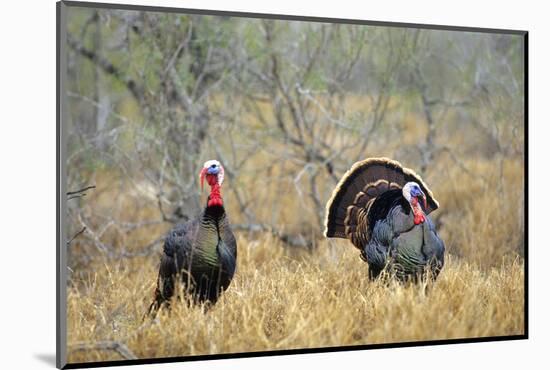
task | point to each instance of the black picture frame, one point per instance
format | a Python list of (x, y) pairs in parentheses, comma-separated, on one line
[(61, 189)]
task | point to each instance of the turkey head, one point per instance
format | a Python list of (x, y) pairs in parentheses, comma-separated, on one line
[(414, 195), (213, 172)]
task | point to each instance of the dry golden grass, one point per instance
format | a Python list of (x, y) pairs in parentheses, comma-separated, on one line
[(283, 299)]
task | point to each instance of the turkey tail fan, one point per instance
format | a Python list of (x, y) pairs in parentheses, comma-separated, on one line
[(360, 185)]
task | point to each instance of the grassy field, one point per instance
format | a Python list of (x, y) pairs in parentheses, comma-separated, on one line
[(281, 300), (287, 298)]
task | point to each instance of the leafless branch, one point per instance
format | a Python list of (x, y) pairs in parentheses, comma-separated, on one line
[(107, 345), (286, 238), (462, 166), (75, 235), (81, 190), (106, 66)]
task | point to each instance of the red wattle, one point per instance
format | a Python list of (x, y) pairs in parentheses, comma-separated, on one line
[(417, 211), (418, 218), (212, 179), (215, 198)]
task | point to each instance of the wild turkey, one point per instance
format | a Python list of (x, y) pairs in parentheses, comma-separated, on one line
[(382, 209), (202, 253)]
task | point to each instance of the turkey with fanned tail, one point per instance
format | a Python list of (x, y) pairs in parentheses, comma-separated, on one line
[(382, 208), (201, 253)]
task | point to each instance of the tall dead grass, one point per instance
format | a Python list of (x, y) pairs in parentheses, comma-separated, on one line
[(283, 299)]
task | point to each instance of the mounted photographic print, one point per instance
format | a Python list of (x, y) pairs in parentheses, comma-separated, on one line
[(236, 185)]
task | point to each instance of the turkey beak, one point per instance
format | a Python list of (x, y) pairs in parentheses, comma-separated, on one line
[(202, 175)]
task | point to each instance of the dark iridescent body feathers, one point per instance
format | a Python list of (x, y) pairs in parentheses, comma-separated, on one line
[(368, 208), (202, 255)]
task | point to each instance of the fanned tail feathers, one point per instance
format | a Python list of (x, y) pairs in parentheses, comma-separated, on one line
[(347, 209)]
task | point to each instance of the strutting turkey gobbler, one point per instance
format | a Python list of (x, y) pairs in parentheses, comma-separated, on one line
[(382, 208), (202, 253)]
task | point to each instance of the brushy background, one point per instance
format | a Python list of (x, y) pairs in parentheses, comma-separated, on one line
[(287, 107)]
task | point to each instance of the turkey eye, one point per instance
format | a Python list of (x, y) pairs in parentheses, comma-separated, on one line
[(213, 166)]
